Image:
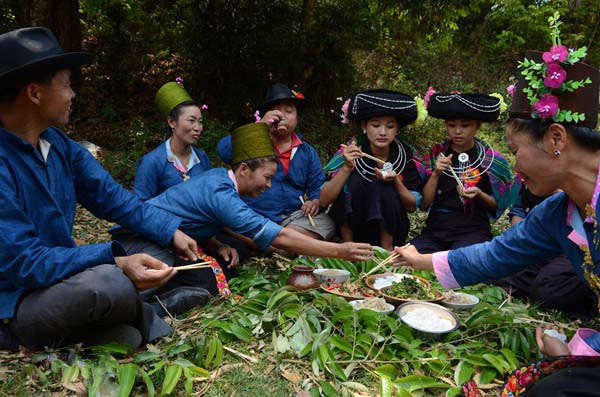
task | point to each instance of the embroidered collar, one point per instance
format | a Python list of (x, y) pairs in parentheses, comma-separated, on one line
[(574, 217), (172, 158)]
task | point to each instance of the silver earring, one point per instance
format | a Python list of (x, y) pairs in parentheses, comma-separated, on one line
[(557, 152), (364, 131)]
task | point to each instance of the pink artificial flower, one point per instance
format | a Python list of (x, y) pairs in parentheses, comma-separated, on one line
[(204, 107), (546, 106), (511, 90), (257, 116), (428, 94), (555, 75), (179, 80), (557, 53), (345, 111), (525, 379)]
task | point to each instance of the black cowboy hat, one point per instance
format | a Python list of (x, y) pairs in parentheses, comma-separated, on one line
[(27, 49), (455, 106), (380, 102), (278, 93)]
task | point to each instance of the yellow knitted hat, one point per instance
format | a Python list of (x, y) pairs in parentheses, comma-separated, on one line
[(251, 141)]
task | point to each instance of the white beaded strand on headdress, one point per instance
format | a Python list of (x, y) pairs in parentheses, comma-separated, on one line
[(473, 105), (375, 100)]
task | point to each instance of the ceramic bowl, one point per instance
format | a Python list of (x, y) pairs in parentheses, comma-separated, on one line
[(424, 330), (460, 300), (390, 308), (332, 276)]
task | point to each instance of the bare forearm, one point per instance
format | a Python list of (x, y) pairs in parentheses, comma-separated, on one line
[(409, 202), (298, 243), (429, 190), (332, 189)]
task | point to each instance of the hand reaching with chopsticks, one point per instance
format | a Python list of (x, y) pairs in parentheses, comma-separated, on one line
[(185, 246), (409, 256), (135, 267)]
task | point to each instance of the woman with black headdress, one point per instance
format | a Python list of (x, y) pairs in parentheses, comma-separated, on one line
[(374, 180), (469, 182)]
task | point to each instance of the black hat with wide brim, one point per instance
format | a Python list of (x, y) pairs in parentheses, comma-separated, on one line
[(278, 93), (456, 106), (28, 49), (380, 102)]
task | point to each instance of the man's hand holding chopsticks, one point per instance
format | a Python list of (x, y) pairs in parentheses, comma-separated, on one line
[(135, 267)]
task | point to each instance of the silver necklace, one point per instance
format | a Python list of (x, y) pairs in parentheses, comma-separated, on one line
[(368, 172), (464, 163)]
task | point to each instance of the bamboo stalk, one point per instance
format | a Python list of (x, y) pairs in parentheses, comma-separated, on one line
[(456, 178), (193, 266), (310, 219), (380, 161)]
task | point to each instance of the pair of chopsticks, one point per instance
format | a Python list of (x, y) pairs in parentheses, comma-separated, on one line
[(310, 219), (384, 262), (456, 178), (380, 161), (193, 266)]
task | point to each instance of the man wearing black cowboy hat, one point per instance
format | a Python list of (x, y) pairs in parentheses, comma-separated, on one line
[(52, 291), (299, 172)]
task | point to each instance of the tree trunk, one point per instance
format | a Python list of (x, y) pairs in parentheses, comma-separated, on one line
[(308, 10), (60, 16)]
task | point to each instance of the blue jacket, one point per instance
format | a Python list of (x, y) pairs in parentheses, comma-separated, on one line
[(37, 209), (155, 173), (209, 202), (305, 176), (542, 235)]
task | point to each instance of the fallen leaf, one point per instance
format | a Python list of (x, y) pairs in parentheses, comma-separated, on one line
[(293, 377)]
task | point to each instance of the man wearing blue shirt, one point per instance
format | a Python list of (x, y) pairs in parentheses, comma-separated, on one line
[(52, 291)]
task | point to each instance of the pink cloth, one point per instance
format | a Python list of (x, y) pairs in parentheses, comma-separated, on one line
[(441, 267), (577, 345), (232, 177)]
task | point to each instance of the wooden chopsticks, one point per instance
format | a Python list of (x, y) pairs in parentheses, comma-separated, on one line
[(310, 219), (193, 266), (380, 161), (384, 262)]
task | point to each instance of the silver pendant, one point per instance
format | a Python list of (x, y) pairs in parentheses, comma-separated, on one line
[(387, 166), (463, 157)]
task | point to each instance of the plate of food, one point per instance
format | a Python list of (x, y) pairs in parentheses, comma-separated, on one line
[(383, 280), (428, 319), (459, 300), (348, 290), (378, 305), (411, 289)]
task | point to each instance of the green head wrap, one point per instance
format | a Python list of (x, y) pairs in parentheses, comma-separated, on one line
[(251, 141), (169, 96)]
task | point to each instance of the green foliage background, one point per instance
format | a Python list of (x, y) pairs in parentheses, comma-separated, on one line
[(229, 52)]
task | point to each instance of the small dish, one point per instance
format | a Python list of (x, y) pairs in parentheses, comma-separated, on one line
[(428, 319), (332, 276), (355, 305), (460, 300), (348, 290)]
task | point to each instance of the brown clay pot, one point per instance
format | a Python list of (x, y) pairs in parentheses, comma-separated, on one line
[(302, 277)]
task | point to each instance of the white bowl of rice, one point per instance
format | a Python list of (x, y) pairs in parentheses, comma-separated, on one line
[(460, 300), (378, 305), (429, 319)]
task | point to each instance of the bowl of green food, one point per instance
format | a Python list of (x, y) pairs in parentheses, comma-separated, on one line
[(411, 289)]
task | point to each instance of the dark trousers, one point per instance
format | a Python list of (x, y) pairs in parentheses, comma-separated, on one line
[(204, 278), (83, 306), (555, 285), (580, 382)]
